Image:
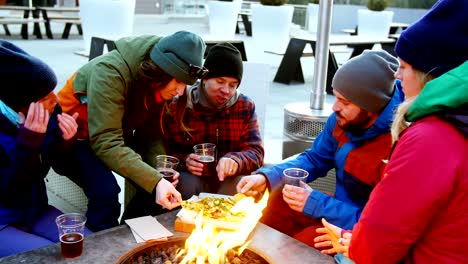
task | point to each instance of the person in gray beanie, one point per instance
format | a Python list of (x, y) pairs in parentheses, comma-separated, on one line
[(120, 97), (418, 212), (214, 111), (354, 143), (374, 89)]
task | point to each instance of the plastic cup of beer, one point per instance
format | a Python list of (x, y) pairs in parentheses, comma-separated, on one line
[(166, 165), (71, 232), (294, 176), (207, 154)]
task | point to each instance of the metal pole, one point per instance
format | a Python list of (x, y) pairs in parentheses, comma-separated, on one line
[(317, 95)]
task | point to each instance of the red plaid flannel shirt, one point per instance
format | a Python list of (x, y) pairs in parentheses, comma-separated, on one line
[(234, 130)]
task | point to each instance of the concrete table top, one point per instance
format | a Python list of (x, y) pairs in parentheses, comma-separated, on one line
[(109, 245)]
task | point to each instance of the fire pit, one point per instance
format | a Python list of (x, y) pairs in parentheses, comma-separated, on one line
[(166, 252)]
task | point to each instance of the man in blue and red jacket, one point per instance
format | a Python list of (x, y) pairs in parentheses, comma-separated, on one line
[(355, 142)]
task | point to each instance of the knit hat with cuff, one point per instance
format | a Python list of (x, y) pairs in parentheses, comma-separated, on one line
[(175, 53), (25, 78), (438, 42), (367, 80), (224, 60)]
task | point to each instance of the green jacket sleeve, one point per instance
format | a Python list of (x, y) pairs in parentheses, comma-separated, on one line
[(106, 92)]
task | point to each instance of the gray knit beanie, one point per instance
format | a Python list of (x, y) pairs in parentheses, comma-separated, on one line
[(174, 54), (367, 80)]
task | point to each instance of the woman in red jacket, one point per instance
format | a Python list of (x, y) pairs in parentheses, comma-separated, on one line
[(418, 212)]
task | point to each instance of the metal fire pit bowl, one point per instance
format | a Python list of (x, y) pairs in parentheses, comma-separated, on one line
[(144, 251)]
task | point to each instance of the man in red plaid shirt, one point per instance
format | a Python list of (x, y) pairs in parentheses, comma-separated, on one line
[(214, 111)]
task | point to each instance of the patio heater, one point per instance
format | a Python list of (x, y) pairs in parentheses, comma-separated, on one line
[(303, 121)]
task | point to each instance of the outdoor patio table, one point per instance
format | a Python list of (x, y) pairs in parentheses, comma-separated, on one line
[(290, 68), (394, 26), (246, 21), (109, 245)]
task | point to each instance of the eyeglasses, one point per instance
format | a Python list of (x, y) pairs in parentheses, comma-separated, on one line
[(197, 71)]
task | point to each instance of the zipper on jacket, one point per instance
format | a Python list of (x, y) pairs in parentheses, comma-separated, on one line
[(217, 145)]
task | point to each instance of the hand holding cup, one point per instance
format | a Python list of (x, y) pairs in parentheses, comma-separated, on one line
[(166, 165), (295, 190), (206, 155)]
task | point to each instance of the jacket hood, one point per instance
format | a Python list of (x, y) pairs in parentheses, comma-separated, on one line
[(446, 97), (458, 118), (384, 121), (445, 93), (135, 49)]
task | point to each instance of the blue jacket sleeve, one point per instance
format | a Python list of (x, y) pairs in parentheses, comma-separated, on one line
[(320, 205), (19, 159), (317, 160)]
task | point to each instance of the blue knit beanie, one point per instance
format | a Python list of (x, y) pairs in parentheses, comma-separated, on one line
[(438, 42), (25, 79), (174, 54)]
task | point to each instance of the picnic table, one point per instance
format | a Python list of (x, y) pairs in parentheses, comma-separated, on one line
[(30, 15), (67, 15)]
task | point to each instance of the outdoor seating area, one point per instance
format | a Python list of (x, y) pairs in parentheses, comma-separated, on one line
[(276, 71), (289, 71)]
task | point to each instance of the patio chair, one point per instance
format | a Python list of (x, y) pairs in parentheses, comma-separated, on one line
[(68, 197)]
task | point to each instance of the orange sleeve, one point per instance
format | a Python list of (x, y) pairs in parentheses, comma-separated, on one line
[(70, 105)]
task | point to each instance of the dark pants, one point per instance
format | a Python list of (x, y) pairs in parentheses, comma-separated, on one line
[(142, 204), (98, 183), (281, 217)]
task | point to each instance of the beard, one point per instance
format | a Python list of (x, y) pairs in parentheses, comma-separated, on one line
[(357, 125)]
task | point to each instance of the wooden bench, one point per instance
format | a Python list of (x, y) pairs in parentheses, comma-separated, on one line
[(30, 15), (21, 21)]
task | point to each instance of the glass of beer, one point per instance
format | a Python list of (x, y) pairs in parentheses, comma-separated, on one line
[(166, 165), (207, 156), (71, 231)]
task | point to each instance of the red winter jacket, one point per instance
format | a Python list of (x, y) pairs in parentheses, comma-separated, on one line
[(419, 212)]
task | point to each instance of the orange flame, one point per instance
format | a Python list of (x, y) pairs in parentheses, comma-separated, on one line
[(206, 243)]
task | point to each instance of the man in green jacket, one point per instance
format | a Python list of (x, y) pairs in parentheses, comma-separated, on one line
[(120, 97)]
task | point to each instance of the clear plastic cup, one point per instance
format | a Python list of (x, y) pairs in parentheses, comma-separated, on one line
[(293, 176), (207, 156), (166, 165), (71, 232)]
